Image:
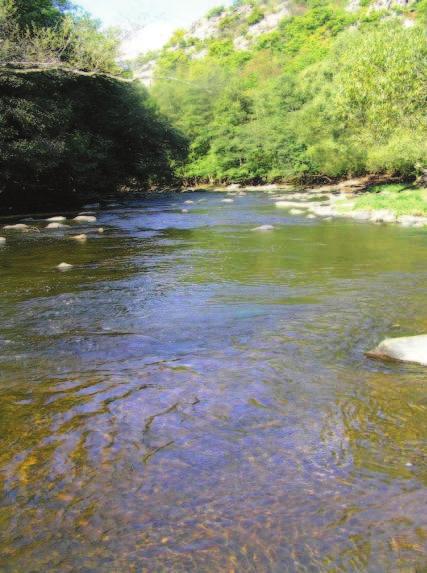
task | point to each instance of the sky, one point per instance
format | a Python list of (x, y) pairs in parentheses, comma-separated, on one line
[(150, 22)]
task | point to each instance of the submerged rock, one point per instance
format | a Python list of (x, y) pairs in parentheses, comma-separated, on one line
[(227, 200), (406, 349)]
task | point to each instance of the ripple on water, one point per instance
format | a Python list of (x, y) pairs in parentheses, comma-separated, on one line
[(194, 396)]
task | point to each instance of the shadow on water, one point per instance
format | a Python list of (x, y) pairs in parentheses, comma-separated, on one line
[(193, 396)]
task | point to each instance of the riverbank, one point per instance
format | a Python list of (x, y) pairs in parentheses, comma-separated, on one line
[(376, 199)]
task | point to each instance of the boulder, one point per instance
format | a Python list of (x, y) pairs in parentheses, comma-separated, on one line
[(407, 349)]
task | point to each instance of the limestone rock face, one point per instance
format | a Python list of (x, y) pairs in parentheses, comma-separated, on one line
[(407, 349)]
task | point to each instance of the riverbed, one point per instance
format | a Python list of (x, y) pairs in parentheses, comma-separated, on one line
[(193, 396)]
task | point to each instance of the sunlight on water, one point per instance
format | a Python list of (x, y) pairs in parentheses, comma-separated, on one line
[(193, 396)]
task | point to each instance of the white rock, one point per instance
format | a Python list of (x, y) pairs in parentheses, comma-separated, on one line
[(188, 202), (80, 238), (360, 215), (56, 219), (85, 219), (296, 211), (264, 228), (56, 226), (184, 210), (17, 227), (101, 230), (311, 216), (64, 266), (406, 349), (323, 211), (2, 241), (383, 216), (409, 220), (227, 200), (285, 204)]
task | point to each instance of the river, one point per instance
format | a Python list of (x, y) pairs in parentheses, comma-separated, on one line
[(193, 396)]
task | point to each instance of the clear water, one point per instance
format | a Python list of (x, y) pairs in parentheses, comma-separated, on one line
[(193, 395)]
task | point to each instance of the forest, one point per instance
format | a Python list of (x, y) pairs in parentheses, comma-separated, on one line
[(329, 93)]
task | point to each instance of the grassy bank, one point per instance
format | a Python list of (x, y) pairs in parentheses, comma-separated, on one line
[(399, 198)]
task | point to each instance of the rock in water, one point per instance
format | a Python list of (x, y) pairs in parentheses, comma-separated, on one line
[(2, 241), (17, 227), (264, 228), (56, 219), (85, 219), (227, 200), (406, 349), (80, 238), (56, 226), (64, 266)]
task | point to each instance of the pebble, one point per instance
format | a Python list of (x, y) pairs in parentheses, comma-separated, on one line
[(101, 230), (81, 238)]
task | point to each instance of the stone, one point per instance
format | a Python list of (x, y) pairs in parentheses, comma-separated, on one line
[(383, 216), (58, 219), (227, 200), (296, 212), (85, 219), (311, 216), (2, 241), (80, 238), (64, 266), (101, 230), (407, 349)]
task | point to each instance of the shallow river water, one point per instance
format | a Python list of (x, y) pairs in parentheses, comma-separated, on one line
[(193, 396)]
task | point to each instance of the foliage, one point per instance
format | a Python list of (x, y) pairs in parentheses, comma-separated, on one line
[(69, 124), (63, 135), (327, 94)]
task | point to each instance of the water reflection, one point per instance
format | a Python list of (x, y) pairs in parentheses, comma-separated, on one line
[(194, 396)]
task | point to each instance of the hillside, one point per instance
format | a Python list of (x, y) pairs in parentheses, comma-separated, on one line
[(275, 90)]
